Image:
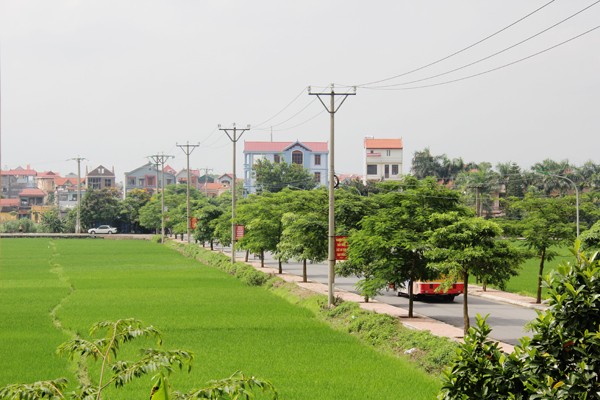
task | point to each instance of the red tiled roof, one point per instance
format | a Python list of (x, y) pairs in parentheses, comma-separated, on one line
[(32, 192), (59, 181), (9, 202), (384, 144), (20, 172), (282, 146)]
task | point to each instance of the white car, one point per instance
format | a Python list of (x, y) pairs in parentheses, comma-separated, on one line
[(103, 229)]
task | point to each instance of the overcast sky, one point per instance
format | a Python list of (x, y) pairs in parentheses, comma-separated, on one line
[(117, 80)]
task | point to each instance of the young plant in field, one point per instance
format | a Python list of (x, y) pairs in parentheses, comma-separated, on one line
[(118, 373)]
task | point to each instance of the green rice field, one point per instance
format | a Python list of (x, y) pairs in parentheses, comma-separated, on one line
[(50, 289)]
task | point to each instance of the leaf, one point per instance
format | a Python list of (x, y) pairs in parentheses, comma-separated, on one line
[(159, 390)]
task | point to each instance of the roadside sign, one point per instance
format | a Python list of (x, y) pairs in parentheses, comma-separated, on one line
[(341, 248), (239, 232)]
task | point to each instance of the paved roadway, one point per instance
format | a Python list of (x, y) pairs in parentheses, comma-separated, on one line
[(507, 320)]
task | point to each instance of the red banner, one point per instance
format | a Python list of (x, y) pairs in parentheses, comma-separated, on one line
[(239, 232), (193, 222), (341, 248)]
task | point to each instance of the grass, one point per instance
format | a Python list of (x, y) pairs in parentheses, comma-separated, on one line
[(229, 325)]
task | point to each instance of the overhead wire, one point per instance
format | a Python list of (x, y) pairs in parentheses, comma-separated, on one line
[(459, 51), (489, 56), (492, 69), (257, 126)]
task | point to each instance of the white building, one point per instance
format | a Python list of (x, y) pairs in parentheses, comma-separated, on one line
[(383, 159)]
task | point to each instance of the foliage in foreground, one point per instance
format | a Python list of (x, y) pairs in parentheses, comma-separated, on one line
[(114, 371), (560, 361)]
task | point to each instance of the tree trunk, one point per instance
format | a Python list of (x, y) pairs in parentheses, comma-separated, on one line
[(410, 298), (538, 298), (247, 255), (466, 303), (211, 245), (262, 258), (280, 266), (304, 275)]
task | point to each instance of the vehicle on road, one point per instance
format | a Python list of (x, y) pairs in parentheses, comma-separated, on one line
[(102, 229), (432, 290)]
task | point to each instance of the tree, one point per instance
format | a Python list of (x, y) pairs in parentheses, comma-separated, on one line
[(462, 246), (390, 245), (131, 206), (100, 206), (424, 164), (561, 360), (207, 217), (273, 177), (51, 221), (590, 239), (546, 223), (480, 184), (304, 237)]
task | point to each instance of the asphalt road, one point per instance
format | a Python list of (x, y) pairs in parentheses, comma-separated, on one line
[(507, 320)]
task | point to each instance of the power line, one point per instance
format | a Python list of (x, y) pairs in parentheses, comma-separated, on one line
[(280, 111), (459, 51), (487, 57), (490, 70)]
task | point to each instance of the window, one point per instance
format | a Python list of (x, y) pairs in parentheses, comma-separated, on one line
[(131, 181), (317, 159), (141, 182), (150, 181), (387, 171), (94, 183), (107, 182), (371, 169), (276, 158), (395, 169), (388, 152), (297, 157), (318, 177)]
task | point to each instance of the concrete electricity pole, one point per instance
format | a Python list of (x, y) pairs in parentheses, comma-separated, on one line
[(331, 109), (232, 134), (187, 150), (206, 180), (161, 159), (78, 221)]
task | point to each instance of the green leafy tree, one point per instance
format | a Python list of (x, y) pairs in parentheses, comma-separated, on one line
[(590, 239), (261, 216), (274, 177), (463, 246), (546, 223), (561, 360), (207, 217), (100, 206), (131, 206), (304, 237)]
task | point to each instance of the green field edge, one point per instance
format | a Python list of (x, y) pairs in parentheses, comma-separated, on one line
[(382, 332)]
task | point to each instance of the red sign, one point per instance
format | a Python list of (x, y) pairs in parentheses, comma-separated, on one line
[(193, 222), (239, 232), (341, 248)]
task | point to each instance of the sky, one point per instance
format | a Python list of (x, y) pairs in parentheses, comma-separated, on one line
[(115, 81)]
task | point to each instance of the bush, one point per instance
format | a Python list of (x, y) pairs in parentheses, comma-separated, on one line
[(560, 361)]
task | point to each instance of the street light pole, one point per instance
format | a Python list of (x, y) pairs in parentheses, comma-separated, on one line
[(233, 136), (331, 109)]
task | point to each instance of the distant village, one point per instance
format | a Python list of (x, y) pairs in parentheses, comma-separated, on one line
[(28, 193)]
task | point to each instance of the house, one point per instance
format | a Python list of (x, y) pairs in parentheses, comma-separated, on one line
[(312, 156), (66, 192), (15, 180), (225, 179), (9, 209), (100, 178), (31, 202), (214, 189), (181, 177), (146, 178), (47, 181), (383, 159)]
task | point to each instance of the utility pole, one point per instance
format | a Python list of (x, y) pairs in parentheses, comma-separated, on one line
[(331, 109), (188, 149), (161, 159), (232, 134), (206, 180), (78, 221)]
